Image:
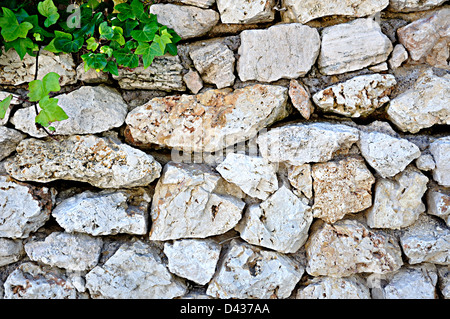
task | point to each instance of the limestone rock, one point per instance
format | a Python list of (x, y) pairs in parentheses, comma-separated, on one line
[(359, 96), (297, 144), (186, 21), (193, 81), (352, 46), (427, 240), (10, 251), (398, 202), (413, 5), (186, 206), (348, 247), (135, 271), (250, 272), (91, 76), (438, 201), (444, 280), (209, 121), (9, 139), (215, 62), (15, 71), (164, 74), (77, 252), (399, 55), (300, 98), (300, 178), (194, 259), (388, 155), (427, 103), (341, 187), (105, 213), (91, 109), (307, 10), (102, 162), (441, 154), (232, 11), (297, 47), (254, 175), (23, 208), (425, 162), (281, 222), (199, 3), (334, 288)]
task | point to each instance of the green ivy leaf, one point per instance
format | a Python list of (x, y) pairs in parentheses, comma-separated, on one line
[(147, 34), (92, 45), (106, 50), (39, 89), (111, 67), (22, 47), (172, 49), (163, 39), (68, 46), (58, 34), (4, 106), (125, 12), (126, 58), (106, 32), (50, 112), (149, 52), (48, 9), (95, 61), (11, 29)]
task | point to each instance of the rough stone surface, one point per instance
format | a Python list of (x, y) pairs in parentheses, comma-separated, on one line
[(398, 201), (341, 187), (91, 76), (334, 288), (297, 47), (208, 121), (255, 273), (91, 110), (9, 139), (215, 62), (135, 271), (193, 259), (438, 201), (413, 5), (187, 21), (352, 46), (427, 103), (441, 153), (23, 208), (348, 247), (254, 175), (105, 213), (444, 281), (399, 55), (388, 155), (77, 252), (10, 251), (359, 96), (193, 81), (427, 240), (300, 98), (232, 11), (199, 3), (102, 162), (281, 222), (304, 11), (300, 178), (186, 206), (425, 162), (297, 144)]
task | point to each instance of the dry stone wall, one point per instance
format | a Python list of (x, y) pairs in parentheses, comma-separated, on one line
[(292, 149)]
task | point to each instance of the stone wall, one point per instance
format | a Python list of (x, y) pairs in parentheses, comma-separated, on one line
[(292, 149)]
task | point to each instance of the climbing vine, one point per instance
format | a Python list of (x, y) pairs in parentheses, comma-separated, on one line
[(109, 35)]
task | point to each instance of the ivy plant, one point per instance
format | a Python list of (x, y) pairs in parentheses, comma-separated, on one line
[(108, 36)]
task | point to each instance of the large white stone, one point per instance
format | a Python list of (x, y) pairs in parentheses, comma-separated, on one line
[(9, 139), (238, 11), (10, 251), (281, 51), (352, 287), (441, 154), (199, 3)]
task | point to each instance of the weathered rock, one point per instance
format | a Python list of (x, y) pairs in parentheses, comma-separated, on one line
[(348, 247), (187, 21), (410, 282), (399, 55), (9, 139), (297, 47), (15, 71), (77, 252), (427, 240), (193, 259), (427, 103), (398, 202), (91, 110), (186, 206), (14, 101), (307, 10), (388, 155), (359, 96), (334, 288), (383, 66), (199, 3), (91, 76), (297, 144), (193, 81), (105, 213), (254, 175), (444, 281), (300, 98), (135, 271), (209, 121), (232, 11), (425, 162), (10, 251), (341, 187), (23, 208), (413, 5), (30, 281), (164, 74), (352, 46), (215, 62), (438, 201), (250, 272), (300, 178), (441, 154), (102, 162)]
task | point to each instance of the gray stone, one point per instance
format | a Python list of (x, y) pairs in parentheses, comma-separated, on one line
[(193, 81), (10, 251), (199, 3), (9, 139), (438, 201), (232, 11), (399, 55), (440, 149), (425, 162), (91, 76), (352, 287), (413, 5), (444, 281)]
